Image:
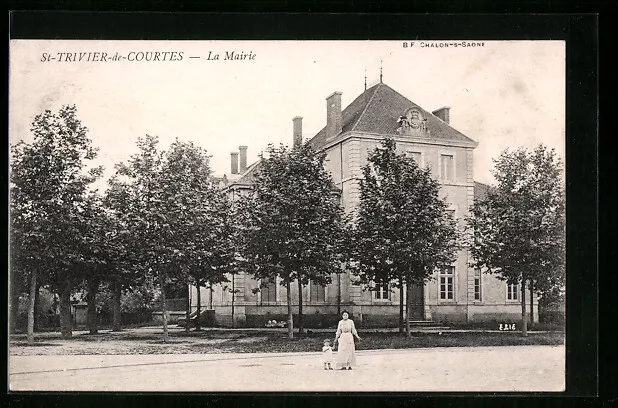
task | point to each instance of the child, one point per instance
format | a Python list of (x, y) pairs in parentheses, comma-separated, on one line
[(327, 355)]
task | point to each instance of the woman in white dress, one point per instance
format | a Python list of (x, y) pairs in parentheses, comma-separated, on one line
[(346, 332)]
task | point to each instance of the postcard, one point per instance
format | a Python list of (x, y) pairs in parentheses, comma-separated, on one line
[(118, 127)]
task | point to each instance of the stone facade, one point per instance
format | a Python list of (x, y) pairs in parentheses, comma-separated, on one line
[(460, 296)]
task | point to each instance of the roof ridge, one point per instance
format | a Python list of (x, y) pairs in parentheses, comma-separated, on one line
[(375, 91)]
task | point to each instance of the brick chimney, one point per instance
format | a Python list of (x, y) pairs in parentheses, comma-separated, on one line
[(298, 130), (443, 113), (234, 162), (243, 159), (333, 115)]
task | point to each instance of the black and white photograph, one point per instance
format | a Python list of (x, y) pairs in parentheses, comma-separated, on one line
[(287, 216)]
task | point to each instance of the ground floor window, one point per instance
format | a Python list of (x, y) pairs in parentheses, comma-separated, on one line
[(477, 284), (447, 280), (512, 291), (317, 293), (251, 286), (268, 292), (382, 291)]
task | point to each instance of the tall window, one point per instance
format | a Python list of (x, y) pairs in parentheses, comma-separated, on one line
[(447, 279), (416, 156), (250, 293), (512, 291), (269, 293), (446, 167), (317, 293), (477, 283), (381, 291)]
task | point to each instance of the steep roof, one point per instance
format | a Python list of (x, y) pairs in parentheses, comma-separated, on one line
[(376, 111), (480, 191), (248, 176)]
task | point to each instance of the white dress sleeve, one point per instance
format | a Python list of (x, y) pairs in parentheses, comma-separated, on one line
[(338, 330), (353, 328)]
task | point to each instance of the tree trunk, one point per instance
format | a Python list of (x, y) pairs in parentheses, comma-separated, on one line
[(338, 294), (14, 312), (66, 320), (31, 307), (524, 322), (290, 316), (300, 307), (401, 289), (37, 308), (188, 309), (408, 305), (16, 290), (117, 324), (233, 296), (163, 306), (531, 304), (93, 288), (198, 326)]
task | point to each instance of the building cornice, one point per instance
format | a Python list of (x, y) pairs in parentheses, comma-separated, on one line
[(398, 138)]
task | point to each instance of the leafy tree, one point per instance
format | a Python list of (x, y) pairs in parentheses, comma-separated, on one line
[(19, 285), (199, 229), (49, 185), (141, 299), (292, 223), (345, 252), (404, 231), (20, 264), (125, 272), (94, 255), (518, 229), (175, 217), (138, 192), (107, 258)]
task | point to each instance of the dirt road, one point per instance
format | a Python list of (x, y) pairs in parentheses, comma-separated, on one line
[(520, 368)]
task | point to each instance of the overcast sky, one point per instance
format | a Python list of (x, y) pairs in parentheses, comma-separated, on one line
[(505, 94)]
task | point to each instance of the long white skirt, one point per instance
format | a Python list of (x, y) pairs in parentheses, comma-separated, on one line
[(346, 355)]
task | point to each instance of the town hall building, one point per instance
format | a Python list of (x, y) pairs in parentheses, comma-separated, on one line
[(457, 294)]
